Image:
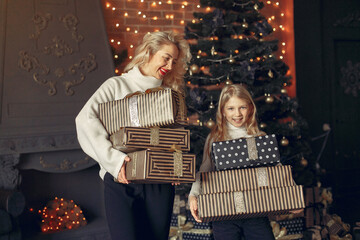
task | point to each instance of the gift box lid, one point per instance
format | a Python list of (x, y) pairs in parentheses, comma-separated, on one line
[(246, 152)]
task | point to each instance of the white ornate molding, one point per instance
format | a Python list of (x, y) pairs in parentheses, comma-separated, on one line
[(9, 174)]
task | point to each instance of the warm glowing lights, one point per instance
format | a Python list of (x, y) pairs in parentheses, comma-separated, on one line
[(117, 25), (128, 29), (108, 5), (126, 14)]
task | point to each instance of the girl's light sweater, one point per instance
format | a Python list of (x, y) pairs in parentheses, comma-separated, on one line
[(207, 165)]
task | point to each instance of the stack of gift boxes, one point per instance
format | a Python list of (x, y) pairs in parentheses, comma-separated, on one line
[(149, 127), (249, 181)]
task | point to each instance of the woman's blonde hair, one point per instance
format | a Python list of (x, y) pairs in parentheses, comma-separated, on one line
[(151, 43), (219, 132)]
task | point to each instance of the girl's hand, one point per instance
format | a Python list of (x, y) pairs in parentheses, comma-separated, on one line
[(122, 174), (296, 211), (194, 208)]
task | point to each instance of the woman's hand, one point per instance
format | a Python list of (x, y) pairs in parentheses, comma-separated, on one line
[(122, 174), (194, 208)]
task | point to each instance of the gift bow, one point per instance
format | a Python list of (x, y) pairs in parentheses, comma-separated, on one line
[(176, 233), (281, 233)]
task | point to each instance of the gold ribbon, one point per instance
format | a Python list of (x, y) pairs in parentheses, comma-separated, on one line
[(252, 151), (178, 160), (262, 177), (281, 233), (239, 202), (182, 106), (176, 233), (133, 160), (154, 136)]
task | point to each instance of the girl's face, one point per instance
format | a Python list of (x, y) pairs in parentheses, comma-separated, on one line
[(162, 62), (236, 111)]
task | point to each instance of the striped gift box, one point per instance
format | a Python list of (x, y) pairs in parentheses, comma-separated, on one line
[(161, 108), (246, 179), (150, 166), (130, 139), (252, 203)]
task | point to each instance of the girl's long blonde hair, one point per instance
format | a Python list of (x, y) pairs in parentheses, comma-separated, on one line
[(219, 132), (151, 43)]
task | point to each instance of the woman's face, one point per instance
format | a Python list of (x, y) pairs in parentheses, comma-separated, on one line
[(236, 111), (162, 62)]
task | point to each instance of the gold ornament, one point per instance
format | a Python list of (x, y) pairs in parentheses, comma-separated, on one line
[(270, 74), (256, 7), (231, 59), (194, 68), (284, 142), (304, 162), (269, 99), (263, 125), (283, 91), (245, 24), (210, 123), (228, 81), (212, 51)]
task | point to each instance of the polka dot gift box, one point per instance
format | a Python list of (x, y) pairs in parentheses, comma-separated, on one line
[(246, 152)]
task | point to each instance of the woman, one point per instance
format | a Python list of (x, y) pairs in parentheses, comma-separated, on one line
[(134, 211)]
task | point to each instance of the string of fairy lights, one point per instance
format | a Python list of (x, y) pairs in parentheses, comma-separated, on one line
[(154, 10)]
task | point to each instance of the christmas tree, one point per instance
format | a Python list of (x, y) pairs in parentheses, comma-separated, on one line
[(229, 45)]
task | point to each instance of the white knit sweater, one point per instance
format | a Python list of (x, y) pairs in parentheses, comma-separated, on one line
[(92, 136), (207, 165)]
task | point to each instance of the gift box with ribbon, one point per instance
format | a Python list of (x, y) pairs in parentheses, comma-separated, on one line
[(130, 139), (246, 179), (246, 152), (313, 206), (150, 166), (155, 107), (251, 203), (184, 229)]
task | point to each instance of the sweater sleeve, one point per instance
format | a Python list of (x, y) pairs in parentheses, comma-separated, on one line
[(206, 166), (92, 136)]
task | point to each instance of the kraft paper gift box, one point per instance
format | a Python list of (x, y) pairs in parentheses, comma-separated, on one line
[(246, 152), (162, 108), (252, 203), (130, 139), (313, 206), (246, 179), (150, 166)]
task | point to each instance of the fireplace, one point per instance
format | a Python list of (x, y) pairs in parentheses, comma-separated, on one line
[(84, 187), (51, 65)]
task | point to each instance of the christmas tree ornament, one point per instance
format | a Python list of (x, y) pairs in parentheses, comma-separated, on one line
[(210, 123), (269, 99), (231, 59), (263, 125), (194, 68), (270, 74), (303, 162), (211, 106), (284, 142), (283, 91), (212, 51), (228, 81), (256, 7), (245, 24)]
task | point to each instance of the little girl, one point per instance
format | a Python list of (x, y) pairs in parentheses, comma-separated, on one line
[(235, 118)]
